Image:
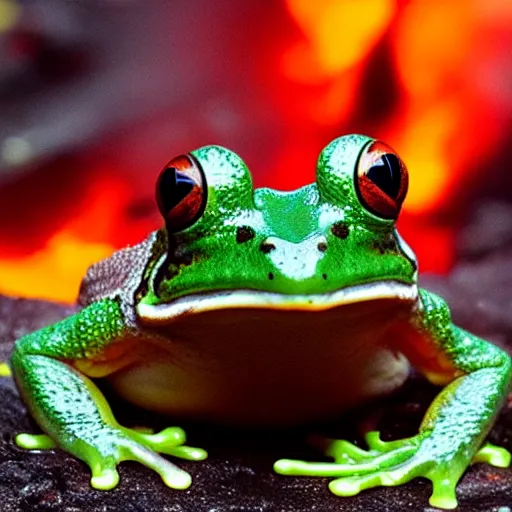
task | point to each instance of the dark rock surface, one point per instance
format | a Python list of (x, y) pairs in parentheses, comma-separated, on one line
[(238, 475)]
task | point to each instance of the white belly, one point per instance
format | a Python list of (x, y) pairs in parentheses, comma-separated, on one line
[(261, 367)]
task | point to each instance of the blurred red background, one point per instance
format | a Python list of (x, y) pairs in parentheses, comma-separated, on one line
[(96, 96)]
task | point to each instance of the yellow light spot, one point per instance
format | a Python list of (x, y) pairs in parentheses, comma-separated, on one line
[(5, 371), (9, 14), (53, 273)]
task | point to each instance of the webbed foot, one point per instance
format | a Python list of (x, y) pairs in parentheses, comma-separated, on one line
[(393, 463), (115, 445)]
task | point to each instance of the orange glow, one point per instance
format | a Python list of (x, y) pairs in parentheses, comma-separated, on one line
[(446, 120), (445, 116), (339, 35), (336, 101), (53, 272), (422, 144), (431, 45), (435, 45), (420, 75), (431, 70)]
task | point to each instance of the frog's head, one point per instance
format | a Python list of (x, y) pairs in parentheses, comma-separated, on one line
[(329, 243)]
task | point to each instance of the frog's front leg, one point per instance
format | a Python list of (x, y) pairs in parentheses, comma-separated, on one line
[(453, 430), (71, 409)]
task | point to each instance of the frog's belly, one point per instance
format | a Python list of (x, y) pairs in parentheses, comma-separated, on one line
[(249, 366)]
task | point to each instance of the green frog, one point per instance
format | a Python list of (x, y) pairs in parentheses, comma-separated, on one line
[(266, 308)]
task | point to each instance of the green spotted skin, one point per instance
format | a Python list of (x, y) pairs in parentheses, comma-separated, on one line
[(283, 250), (205, 258), (80, 336)]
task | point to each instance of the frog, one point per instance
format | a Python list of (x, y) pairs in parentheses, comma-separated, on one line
[(266, 308)]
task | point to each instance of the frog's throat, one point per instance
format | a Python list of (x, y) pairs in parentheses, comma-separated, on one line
[(254, 299)]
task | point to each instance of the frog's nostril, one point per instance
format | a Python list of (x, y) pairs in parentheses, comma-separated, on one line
[(267, 247), (322, 246)]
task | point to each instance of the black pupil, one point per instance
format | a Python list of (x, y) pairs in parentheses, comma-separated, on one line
[(386, 173), (174, 187)]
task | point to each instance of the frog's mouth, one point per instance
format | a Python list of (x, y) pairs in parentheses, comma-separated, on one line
[(256, 299)]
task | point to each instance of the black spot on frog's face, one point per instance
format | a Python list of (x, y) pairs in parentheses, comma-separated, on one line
[(322, 246)]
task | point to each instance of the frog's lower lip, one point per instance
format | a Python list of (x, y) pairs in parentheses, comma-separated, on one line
[(253, 299)]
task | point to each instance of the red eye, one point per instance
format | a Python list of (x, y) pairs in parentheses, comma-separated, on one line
[(381, 180), (181, 193)]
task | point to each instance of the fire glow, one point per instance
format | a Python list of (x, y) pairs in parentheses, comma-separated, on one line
[(436, 49), (432, 58)]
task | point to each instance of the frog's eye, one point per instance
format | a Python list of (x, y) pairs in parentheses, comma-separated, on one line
[(181, 193), (381, 180)]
